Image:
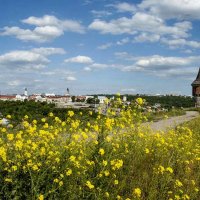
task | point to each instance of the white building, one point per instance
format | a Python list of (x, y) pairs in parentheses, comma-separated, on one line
[(88, 97), (102, 99), (20, 97), (124, 98), (26, 92)]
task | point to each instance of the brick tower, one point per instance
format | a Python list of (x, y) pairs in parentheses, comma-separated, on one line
[(196, 90)]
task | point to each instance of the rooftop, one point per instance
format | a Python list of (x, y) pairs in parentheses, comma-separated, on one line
[(197, 80)]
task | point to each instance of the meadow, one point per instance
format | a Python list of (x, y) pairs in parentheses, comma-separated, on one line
[(110, 157)]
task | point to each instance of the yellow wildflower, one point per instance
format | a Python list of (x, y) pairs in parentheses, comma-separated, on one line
[(35, 167), (14, 168), (105, 163), (89, 185), (61, 183), (139, 101), (169, 169), (107, 194), (8, 116), (137, 192), (70, 113), (68, 172), (41, 197), (178, 183), (116, 182), (10, 137), (50, 114), (9, 180), (161, 169), (106, 173), (147, 151), (55, 180), (101, 151)]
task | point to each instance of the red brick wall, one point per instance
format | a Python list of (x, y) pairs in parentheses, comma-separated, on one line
[(197, 91)]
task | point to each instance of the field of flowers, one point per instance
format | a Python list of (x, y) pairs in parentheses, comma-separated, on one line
[(111, 157)]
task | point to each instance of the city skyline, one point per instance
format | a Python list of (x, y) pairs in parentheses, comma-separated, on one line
[(99, 47)]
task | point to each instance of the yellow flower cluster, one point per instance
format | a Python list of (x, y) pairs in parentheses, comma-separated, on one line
[(111, 156)]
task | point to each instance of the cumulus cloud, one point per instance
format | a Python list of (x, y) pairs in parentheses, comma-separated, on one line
[(176, 9), (141, 22), (87, 69), (123, 41), (46, 29), (23, 59), (71, 78), (80, 59), (101, 13), (146, 37), (125, 7), (97, 66), (110, 44), (47, 51), (105, 46), (164, 66), (14, 83), (180, 42), (28, 59)]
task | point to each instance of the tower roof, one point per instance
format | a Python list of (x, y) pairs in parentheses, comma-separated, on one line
[(197, 80)]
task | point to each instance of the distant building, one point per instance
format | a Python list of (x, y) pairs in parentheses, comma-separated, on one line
[(88, 97), (7, 97), (20, 97), (124, 98), (196, 90), (102, 99), (58, 99), (80, 98), (26, 92)]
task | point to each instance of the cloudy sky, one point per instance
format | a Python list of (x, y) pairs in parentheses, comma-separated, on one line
[(99, 46)]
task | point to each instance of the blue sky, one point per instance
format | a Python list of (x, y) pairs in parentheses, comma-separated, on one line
[(99, 46)]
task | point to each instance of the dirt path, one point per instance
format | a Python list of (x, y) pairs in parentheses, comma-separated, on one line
[(172, 122)]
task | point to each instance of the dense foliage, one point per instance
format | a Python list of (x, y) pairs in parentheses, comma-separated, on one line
[(167, 101), (35, 110), (114, 157)]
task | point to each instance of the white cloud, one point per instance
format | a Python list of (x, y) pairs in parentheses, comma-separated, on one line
[(80, 59), (160, 62), (125, 7), (23, 59), (128, 90), (175, 43), (47, 51), (28, 59), (96, 66), (105, 46), (175, 9), (47, 28), (110, 44), (14, 83), (71, 78), (87, 69), (146, 37), (123, 41), (164, 66), (49, 20), (124, 56), (141, 22), (99, 65), (101, 13)]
